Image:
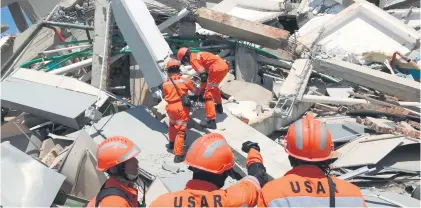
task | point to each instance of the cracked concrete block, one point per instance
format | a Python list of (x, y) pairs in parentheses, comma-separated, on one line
[(240, 28), (243, 91)]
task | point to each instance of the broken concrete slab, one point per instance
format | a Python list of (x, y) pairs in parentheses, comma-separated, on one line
[(244, 91), (382, 32), (296, 82), (388, 199), (27, 181), (140, 32), (82, 178), (246, 67), (236, 132), (354, 153), (242, 29), (21, 138), (56, 104), (409, 16), (148, 133), (383, 82)]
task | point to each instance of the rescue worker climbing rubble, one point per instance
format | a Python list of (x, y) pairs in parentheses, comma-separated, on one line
[(212, 70), (116, 156), (310, 148), (211, 160), (174, 88)]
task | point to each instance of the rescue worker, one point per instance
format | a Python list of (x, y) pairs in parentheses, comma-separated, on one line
[(308, 184), (212, 70), (175, 87), (116, 156), (211, 160)]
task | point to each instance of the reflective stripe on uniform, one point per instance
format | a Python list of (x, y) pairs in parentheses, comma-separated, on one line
[(253, 180), (198, 56), (175, 82), (308, 201), (212, 85), (111, 144), (132, 153), (178, 122)]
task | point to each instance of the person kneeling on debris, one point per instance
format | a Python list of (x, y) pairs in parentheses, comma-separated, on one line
[(212, 70), (116, 156), (175, 90), (310, 149), (211, 160)]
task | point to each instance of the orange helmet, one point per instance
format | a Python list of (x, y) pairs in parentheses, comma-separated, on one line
[(309, 139), (210, 153), (115, 150), (181, 53), (173, 63)]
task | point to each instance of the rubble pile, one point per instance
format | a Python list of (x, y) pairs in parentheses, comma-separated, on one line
[(89, 70)]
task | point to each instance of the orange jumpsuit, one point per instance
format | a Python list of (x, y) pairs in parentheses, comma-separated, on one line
[(117, 201), (199, 193), (307, 186), (217, 69), (178, 115)]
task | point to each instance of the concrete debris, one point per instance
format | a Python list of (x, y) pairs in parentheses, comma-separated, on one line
[(242, 29), (89, 70), (27, 181), (383, 82)]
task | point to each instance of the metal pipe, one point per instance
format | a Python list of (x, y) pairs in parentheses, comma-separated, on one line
[(69, 25), (64, 49), (10, 62), (72, 67), (170, 21), (332, 100)]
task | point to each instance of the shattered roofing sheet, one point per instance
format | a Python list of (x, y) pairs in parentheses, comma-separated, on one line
[(367, 150), (404, 200)]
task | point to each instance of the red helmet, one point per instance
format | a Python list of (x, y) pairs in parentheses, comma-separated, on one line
[(173, 63), (115, 150), (210, 153), (182, 52), (309, 139)]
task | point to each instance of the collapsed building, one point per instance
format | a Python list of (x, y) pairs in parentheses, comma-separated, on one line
[(87, 70)]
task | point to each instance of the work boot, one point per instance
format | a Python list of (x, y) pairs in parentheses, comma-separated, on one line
[(179, 158), (210, 124), (170, 146), (219, 109)]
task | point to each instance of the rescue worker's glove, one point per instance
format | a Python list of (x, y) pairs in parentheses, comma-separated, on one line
[(203, 77), (248, 145)]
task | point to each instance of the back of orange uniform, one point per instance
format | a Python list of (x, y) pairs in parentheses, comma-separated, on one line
[(208, 60), (183, 84), (199, 193), (307, 186), (177, 113)]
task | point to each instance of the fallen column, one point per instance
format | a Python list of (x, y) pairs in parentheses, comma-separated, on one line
[(144, 38), (242, 29), (387, 83)]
